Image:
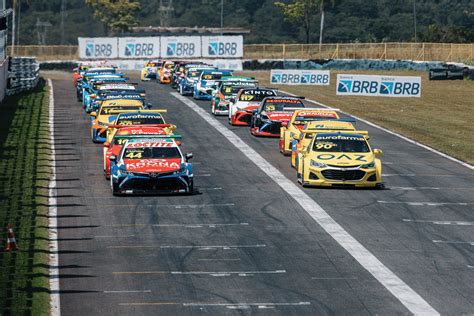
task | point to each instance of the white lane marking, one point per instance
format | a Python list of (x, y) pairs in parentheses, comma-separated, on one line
[(398, 175), (176, 206), (415, 188), (454, 242), (465, 164), (125, 236), (209, 189), (211, 259), (197, 225), (245, 305), (128, 291), (55, 302), (470, 267), (425, 203), (210, 247), (202, 175), (406, 295), (454, 223), (210, 273)]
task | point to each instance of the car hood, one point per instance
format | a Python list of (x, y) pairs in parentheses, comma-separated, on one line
[(152, 165), (341, 159)]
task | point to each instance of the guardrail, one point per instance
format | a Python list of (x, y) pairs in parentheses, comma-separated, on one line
[(405, 51)]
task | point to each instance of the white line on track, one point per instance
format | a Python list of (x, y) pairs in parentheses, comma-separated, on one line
[(415, 188), (218, 259), (465, 164), (245, 305), (453, 223), (175, 206), (128, 291), (125, 236), (454, 242), (55, 302), (205, 273), (426, 203), (197, 225), (398, 175), (335, 278), (200, 247), (406, 295), (470, 267)]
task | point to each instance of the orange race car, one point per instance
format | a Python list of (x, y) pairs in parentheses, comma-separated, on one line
[(164, 73)]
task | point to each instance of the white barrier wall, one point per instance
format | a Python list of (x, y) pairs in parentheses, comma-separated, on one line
[(300, 77), (230, 64), (138, 47), (378, 86), (219, 47)]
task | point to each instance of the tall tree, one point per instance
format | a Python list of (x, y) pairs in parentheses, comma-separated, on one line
[(304, 10), (116, 15)]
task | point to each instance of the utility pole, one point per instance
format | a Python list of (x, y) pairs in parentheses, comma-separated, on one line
[(165, 12), (414, 17), (222, 15), (63, 17), (13, 28), (42, 30)]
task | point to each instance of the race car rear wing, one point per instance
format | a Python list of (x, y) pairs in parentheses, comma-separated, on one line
[(118, 126), (149, 137), (137, 111), (312, 132)]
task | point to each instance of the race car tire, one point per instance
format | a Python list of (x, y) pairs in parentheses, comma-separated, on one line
[(190, 188), (114, 187)]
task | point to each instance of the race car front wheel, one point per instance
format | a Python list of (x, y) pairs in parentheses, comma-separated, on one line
[(114, 187)]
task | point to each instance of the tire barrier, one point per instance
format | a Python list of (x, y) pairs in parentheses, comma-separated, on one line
[(450, 72), (23, 74)]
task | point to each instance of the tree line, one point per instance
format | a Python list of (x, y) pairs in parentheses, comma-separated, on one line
[(283, 21)]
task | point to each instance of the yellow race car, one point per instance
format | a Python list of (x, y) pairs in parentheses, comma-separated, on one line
[(340, 159), (291, 129), (301, 139), (138, 118), (150, 70), (107, 113)]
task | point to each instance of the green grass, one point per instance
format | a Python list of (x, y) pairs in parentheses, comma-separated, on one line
[(441, 118), (24, 178)]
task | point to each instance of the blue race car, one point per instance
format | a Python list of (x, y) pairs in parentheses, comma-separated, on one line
[(207, 83), (189, 77), (151, 165)]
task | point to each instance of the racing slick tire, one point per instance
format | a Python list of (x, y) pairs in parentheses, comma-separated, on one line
[(190, 188), (181, 91), (114, 187)]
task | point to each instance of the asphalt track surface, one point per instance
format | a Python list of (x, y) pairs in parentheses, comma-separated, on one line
[(241, 244)]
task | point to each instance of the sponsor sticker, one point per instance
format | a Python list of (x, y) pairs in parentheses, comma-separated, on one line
[(379, 86), (300, 77)]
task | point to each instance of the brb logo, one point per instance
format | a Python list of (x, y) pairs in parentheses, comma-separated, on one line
[(300, 77), (139, 49), (180, 49), (394, 86), (98, 50), (222, 48)]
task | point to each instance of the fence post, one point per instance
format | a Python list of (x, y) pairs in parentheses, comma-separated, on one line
[(284, 51)]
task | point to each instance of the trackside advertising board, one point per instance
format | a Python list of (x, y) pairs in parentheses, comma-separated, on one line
[(181, 46), (139, 47), (223, 46), (300, 77), (98, 47), (379, 86)]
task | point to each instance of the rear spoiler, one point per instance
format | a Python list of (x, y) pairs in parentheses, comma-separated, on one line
[(175, 136), (316, 131), (118, 126), (137, 111)]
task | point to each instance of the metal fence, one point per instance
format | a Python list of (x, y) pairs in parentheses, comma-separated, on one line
[(404, 51)]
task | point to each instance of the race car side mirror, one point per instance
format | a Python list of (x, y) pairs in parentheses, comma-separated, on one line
[(112, 158), (377, 152), (106, 144), (149, 105), (93, 114), (189, 156)]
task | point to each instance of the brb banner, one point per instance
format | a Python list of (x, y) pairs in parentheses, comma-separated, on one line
[(139, 47), (98, 48), (223, 46), (379, 86), (181, 46), (300, 77)]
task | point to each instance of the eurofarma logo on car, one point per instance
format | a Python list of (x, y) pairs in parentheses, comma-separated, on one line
[(381, 86), (300, 77)]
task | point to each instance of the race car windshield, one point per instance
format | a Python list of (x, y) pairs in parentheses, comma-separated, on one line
[(212, 76), (153, 65), (256, 96), (119, 141), (348, 144), (281, 105), (169, 66), (140, 120), (152, 153), (193, 74), (106, 110), (230, 90)]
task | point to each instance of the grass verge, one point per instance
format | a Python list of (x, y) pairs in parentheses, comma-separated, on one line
[(442, 118), (24, 179)]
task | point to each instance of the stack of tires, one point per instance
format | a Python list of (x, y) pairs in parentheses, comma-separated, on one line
[(449, 72), (23, 74)]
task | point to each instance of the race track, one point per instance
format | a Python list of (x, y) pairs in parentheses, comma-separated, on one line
[(242, 244)]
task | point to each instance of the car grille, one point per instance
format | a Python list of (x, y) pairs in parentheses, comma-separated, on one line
[(337, 166), (154, 184), (332, 174)]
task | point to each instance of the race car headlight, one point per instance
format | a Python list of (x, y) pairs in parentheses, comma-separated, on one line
[(368, 165), (316, 164)]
